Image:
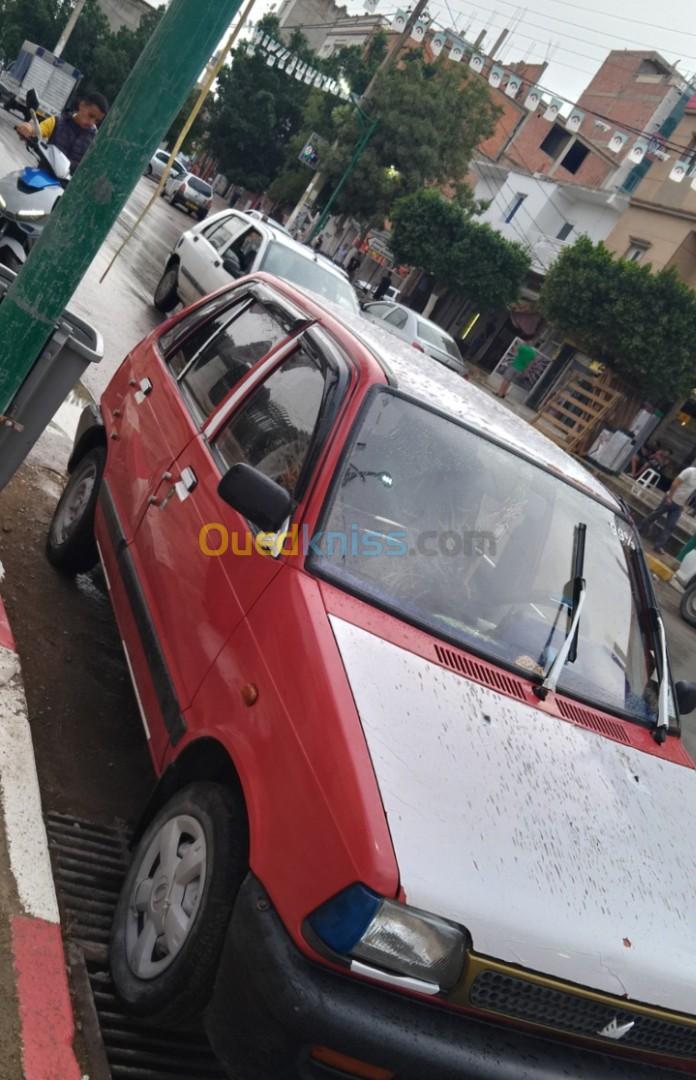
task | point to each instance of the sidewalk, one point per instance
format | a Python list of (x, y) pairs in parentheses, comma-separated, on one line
[(36, 1020)]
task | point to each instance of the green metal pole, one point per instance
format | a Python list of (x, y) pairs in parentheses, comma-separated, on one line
[(357, 154), (151, 98)]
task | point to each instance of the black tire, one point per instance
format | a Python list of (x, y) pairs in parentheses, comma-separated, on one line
[(70, 544), (202, 215), (10, 260), (148, 171), (177, 994), (166, 296), (687, 608)]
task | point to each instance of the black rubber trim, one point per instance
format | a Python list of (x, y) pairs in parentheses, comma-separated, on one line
[(271, 1005), (159, 672), (90, 432)]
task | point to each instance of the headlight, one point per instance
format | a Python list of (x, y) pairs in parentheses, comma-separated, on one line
[(31, 215), (3, 204), (394, 937)]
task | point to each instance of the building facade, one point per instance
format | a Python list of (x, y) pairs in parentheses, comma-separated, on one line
[(314, 18), (126, 13)]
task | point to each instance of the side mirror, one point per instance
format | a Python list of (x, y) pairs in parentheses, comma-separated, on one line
[(232, 265), (256, 497), (686, 697), (32, 99)]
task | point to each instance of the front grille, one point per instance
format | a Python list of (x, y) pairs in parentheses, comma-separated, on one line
[(575, 1014)]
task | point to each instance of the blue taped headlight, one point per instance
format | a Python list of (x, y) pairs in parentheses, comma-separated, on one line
[(392, 936), (342, 921)]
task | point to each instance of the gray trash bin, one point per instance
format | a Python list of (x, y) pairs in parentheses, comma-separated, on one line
[(73, 346)]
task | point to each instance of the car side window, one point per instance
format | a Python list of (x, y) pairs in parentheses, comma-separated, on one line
[(397, 318), (222, 233), (273, 430), (245, 249), (189, 335), (226, 357), (379, 310)]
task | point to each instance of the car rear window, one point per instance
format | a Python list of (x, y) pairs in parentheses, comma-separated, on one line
[(200, 186), (303, 270), (438, 338)]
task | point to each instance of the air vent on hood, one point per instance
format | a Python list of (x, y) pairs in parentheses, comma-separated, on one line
[(482, 673), (589, 719)]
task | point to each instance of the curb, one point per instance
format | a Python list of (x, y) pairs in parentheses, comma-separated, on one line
[(661, 569), (43, 998)]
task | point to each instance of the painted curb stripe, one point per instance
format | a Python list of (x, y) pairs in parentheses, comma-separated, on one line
[(45, 1010), (21, 800), (6, 637)]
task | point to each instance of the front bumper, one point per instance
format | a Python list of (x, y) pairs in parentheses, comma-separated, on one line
[(271, 1005)]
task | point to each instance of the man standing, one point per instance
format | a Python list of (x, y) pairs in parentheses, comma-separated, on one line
[(524, 356), (671, 507)]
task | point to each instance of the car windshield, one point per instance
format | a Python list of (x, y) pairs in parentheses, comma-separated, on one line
[(309, 274), (434, 336), (200, 186), (458, 535)]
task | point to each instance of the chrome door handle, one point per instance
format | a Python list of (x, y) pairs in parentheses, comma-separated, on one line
[(185, 485), (144, 388)]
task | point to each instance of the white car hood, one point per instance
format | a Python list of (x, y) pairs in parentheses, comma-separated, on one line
[(559, 850)]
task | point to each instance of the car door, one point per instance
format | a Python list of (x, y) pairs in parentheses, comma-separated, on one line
[(148, 424), (200, 255), (192, 603)]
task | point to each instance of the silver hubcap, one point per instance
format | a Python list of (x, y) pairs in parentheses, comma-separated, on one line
[(691, 604), (73, 503), (165, 896)]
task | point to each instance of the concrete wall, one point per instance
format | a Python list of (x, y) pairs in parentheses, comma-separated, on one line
[(125, 12), (662, 213), (308, 16), (546, 208)]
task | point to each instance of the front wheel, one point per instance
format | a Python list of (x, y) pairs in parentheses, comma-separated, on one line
[(70, 544), (166, 296), (202, 215), (687, 608), (176, 902)]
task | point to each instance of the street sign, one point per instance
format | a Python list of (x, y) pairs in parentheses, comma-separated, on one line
[(310, 154)]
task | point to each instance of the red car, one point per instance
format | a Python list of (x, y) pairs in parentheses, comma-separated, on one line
[(407, 692)]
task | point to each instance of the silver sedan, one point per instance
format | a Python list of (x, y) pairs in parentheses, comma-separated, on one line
[(421, 333)]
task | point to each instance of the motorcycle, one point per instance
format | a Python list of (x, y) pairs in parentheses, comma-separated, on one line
[(28, 197)]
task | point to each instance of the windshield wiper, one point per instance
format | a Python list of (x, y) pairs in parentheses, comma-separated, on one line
[(662, 723), (578, 590)]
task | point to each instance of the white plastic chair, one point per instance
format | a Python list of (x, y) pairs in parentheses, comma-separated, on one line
[(648, 479)]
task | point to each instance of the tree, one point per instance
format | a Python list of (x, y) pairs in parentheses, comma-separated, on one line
[(431, 117), (440, 236), (200, 124), (105, 57), (640, 323)]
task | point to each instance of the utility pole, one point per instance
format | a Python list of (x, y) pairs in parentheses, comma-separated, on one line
[(151, 98), (314, 187), (69, 27)]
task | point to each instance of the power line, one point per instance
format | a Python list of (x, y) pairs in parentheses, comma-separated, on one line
[(582, 26), (625, 18)]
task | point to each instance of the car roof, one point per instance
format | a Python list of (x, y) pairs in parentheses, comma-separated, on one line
[(425, 379)]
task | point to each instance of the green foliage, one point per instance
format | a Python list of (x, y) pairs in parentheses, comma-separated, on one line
[(431, 118), (105, 58), (441, 237), (261, 117), (197, 132), (642, 324)]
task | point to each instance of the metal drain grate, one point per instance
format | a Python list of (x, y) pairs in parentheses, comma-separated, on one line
[(89, 863)]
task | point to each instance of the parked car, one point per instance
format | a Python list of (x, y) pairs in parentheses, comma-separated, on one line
[(406, 689), (421, 333), (158, 163), (686, 578), (190, 193), (232, 244)]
